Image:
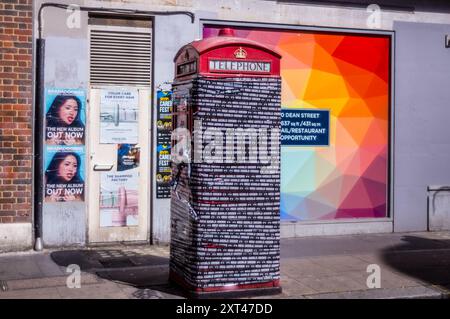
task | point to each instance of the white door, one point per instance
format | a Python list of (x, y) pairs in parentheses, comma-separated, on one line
[(118, 186)]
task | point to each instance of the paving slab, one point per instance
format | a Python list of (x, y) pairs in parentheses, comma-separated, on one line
[(293, 287), (20, 268), (388, 278), (298, 268), (334, 283), (97, 291), (38, 293), (137, 276), (339, 264), (46, 282), (380, 293), (47, 267)]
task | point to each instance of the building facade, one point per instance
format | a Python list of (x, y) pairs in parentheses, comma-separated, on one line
[(371, 156), (16, 141)]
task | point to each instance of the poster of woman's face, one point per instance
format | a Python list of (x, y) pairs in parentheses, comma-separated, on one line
[(65, 117), (64, 174)]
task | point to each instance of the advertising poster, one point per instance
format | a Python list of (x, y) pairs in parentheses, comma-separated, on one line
[(164, 131), (119, 112), (349, 75), (64, 173), (128, 156), (119, 198), (65, 116), (164, 104), (305, 127), (163, 171)]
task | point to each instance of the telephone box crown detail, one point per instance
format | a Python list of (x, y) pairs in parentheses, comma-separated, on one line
[(240, 53)]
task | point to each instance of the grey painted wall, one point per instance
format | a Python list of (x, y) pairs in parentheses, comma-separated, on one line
[(170, 33), (66, 66), (422, 114)]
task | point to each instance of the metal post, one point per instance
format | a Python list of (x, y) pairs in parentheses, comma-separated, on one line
[(38, 143)]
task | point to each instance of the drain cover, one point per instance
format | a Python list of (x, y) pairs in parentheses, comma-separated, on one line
[(147, 294)]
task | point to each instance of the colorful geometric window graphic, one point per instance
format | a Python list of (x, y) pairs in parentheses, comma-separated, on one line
[(349, 75)]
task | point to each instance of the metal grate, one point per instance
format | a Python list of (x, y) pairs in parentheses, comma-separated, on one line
[(120, 57)]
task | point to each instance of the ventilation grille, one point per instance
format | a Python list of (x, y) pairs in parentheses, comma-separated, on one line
[(120, 58)]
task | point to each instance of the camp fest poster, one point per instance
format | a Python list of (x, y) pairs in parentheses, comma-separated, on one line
[(163, 171), (65, 118), (164, 131), (64, 174), (164, 104)]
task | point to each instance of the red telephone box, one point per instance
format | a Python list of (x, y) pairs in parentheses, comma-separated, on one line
[(225, 202)]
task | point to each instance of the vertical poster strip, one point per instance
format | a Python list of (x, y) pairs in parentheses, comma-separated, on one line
[(164, 130), (119, 111), (119, 193), (64, 155), (119, 125)]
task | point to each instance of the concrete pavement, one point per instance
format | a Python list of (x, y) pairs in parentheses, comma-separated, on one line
[(413, 265)]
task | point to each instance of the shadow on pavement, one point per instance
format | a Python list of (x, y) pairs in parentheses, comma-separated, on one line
[(127, 267), (427, 260)]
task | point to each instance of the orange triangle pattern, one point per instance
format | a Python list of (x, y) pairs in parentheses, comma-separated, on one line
[(348, 74)]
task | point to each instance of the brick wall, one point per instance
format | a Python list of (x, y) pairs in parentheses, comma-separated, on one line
[(16, 110)]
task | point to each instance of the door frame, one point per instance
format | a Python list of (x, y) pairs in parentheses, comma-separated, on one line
[(150, 127), (149, 162)]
